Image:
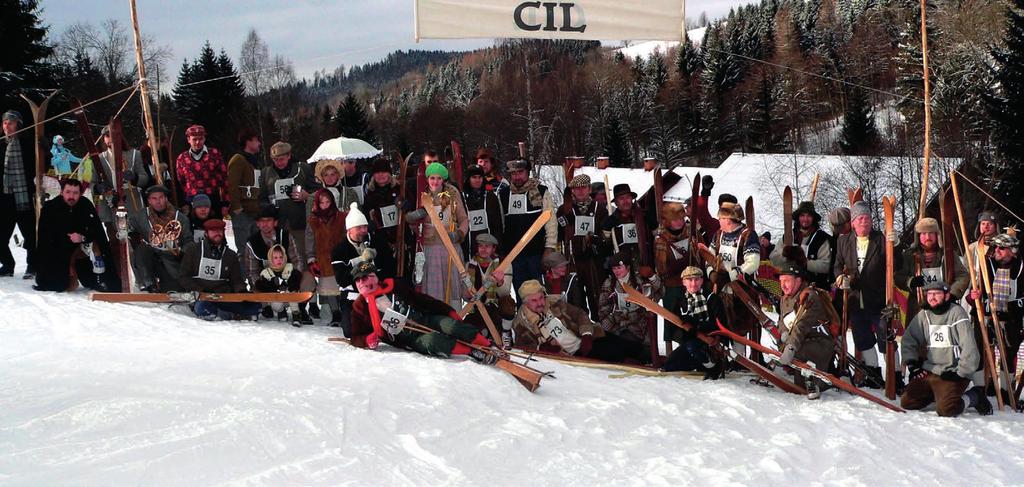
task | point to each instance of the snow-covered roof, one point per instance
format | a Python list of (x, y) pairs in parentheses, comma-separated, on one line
[(764, 176), (646, 49)]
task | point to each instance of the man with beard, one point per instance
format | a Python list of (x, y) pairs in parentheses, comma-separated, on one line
[(158, 235), (209, 266), (671, 257), (618, 316), (626, 229), (812, 250), (255, 253), (941, 356), (136, 175), (482, 209), (925, 262), (73, 245), (382, 204), (523, 202), (579, 219), (1006, 274)]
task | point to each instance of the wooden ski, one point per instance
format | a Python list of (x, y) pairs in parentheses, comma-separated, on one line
[(121, 247), (634, 296), (191, 297), (820, 374), (694, 222), (814, 187), (403, 168), (889, 207), (787, 217), (460, 266), (854, 195), (457, 165), (38, 117), (506, 261)]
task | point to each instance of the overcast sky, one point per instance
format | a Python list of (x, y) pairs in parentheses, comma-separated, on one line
[(313, 34)]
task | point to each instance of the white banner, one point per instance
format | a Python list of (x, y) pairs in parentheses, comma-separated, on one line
[(577, 19)]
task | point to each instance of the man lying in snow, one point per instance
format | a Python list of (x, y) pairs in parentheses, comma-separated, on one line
[(385, 308)]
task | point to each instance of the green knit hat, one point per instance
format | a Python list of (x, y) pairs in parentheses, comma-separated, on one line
[(436, 168)]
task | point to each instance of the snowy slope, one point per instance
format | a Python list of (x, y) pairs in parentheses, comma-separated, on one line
[(106, 394)]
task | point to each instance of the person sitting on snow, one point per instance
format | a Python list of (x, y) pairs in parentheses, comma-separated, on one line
[(280, 276), (942, 333), (702, 309), (384, 310), (209, 266), (547, 323)]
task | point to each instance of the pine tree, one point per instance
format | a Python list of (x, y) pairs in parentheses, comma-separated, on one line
[(25, 47), (615, 143), (1006, 107), (209, 92), (351, 120), (858, 135)]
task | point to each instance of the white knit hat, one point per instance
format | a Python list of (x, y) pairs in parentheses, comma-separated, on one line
[(355, 217)]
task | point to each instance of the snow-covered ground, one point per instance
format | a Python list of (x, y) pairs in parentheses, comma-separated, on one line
[(107, 394)]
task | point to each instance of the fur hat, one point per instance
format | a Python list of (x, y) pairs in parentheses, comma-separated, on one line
[(531, 287), (201, 200), (552, 260), (355, 218), (517, 165), (195, 130), (324, 165), (731, 211), (280, 149), (671, 210), (692, 271), (927, 225), (859, 209), (580, 181), (987, 216), (486, 238), (380, 165), (436, 169), (621, 189), (214, 224)]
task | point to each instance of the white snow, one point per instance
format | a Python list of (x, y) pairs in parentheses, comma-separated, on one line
[(115, 394), (647, 49)]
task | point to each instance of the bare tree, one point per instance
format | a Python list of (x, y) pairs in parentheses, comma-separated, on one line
[(253, 62), (111, 48)]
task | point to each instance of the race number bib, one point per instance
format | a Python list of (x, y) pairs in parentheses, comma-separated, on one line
[(552, 328), (939, 336), (209, 269), (517, 204), (337, 197), (393, 322), (679, 247), (789, 320), (629, 233), (584, 226), (728, 255), (478, 220), (931, 274), (389, 216), (282, 189), (623, 304)]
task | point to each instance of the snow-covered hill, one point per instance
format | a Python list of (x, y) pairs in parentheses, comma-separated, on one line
[(107, 394)]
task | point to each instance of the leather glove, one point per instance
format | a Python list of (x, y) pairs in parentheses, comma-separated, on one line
[(914, 370), (706, 183), (787, 355), (646, 272), (916, 282), (416, 215), (586, 344), (314, 268), (843, 281), (792, 253), (950, 376)]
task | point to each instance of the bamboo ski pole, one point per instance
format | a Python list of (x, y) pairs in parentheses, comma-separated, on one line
[(990, 362), (927, 112), (147, 114)]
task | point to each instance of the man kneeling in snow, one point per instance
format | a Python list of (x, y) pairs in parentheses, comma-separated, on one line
[(806, 315), (209, 266), (943, 335), (384, 310), (550, 324)]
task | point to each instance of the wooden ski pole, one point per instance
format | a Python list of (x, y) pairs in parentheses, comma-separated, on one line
[(990, 363), (1006, 375), (843, 365), (147, 113), (922, 206), (814, 187)]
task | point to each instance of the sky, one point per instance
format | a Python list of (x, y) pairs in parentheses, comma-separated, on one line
[(313, 34)]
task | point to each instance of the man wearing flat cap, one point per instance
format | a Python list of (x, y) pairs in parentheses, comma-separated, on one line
[(579, 220), (17, 189)]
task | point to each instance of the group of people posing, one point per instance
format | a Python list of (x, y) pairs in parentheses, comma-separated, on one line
[(363, 242)]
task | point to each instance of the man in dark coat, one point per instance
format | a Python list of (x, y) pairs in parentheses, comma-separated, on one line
[(209, 266), (73, 245), (17, 188)]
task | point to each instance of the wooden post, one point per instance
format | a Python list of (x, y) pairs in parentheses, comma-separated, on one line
[(927, 112), (147, 114), (38, 117), (990, 363)]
